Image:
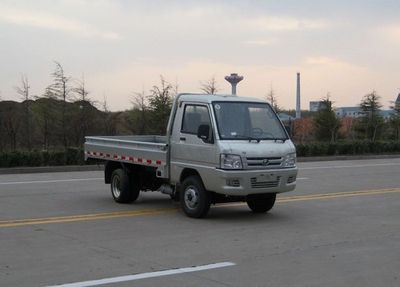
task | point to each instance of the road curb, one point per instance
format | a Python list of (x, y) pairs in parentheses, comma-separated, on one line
[(100, 167), (347, 157)]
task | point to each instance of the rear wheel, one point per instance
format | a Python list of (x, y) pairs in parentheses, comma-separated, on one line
[(260, 203), (194, 198), (124, 187)]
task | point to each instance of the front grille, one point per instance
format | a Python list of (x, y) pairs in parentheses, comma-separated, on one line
[(264, 184), (264, 162)]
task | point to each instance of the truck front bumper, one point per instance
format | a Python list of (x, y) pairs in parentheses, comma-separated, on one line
[(245, 182)]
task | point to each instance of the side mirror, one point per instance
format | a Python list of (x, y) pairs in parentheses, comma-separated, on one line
[(203, 132)]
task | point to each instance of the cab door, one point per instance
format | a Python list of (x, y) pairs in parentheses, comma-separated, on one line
[(188, 150)]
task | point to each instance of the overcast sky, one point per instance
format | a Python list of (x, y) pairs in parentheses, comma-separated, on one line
[(347, 48)]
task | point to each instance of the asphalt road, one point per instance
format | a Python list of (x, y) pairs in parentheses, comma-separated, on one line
[(341, 227)]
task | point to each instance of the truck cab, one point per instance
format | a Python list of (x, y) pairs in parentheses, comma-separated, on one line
[(237, 146)]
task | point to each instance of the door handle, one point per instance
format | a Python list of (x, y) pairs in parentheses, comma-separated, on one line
[(182, 138)]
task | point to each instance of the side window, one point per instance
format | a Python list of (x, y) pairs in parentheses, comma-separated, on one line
[(193, 117)]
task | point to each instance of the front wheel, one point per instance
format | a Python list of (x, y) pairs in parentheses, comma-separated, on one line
[(124, 187), (194, 198), (261, 203)]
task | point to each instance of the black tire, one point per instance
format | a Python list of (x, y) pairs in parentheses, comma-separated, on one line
[(194, 198), (261, 203), (124, 188)]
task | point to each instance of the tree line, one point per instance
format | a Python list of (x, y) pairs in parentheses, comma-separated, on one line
[(65, 113)]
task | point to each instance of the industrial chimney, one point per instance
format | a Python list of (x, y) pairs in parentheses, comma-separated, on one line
[(298, 108), (234, 79)]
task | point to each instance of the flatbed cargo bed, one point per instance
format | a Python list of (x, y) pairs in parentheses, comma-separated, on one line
[(148, 150)]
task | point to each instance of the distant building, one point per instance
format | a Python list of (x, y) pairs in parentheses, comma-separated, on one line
[(386, 114), (356, 112), (316, 106), (352, 112)]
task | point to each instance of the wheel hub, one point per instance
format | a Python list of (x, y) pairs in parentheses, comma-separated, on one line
[(115, 187), (191, 197)]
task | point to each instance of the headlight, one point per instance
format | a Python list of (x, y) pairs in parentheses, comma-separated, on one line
[(290, 160), (231, 161)]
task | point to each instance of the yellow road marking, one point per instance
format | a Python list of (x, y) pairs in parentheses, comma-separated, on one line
[(338, 194), (155, 211), (83, 217), (328, 195)]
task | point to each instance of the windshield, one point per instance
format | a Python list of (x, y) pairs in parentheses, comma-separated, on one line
[(247, 121)]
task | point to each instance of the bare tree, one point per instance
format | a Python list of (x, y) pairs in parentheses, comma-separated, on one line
[(45, 110), (61, 90), (272, 99), (24, 93), (175, 89), (110, 119), (80, 90), (104, 105), (23, 90), (210, 86), (139, 101), (83, 115), (61, 85)]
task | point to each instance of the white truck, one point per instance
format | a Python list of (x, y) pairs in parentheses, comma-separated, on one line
[(217, 148)]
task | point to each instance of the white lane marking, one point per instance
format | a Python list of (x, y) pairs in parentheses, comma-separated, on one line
[(50, 181), (146, 275), (346, 166), (302, 178)]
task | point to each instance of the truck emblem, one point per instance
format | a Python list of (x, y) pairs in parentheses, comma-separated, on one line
[(265, 162)]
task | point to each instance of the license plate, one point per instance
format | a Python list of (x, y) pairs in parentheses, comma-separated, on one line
[(265, 177)]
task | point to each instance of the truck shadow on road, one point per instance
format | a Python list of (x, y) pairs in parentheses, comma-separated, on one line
[(230, 212), (235, 214)]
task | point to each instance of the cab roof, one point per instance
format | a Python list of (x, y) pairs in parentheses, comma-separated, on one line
[(207, 98)]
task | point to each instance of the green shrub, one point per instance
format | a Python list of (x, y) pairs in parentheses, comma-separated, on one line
[(71, 156), (300, 148), (34, 159), (75, 156), (347, 148), (332, 149)]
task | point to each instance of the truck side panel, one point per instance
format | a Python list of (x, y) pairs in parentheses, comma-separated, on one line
[(147, 152)]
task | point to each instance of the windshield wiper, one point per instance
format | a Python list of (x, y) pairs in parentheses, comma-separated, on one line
[(276, 139), (268, 139), (249, 138)]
